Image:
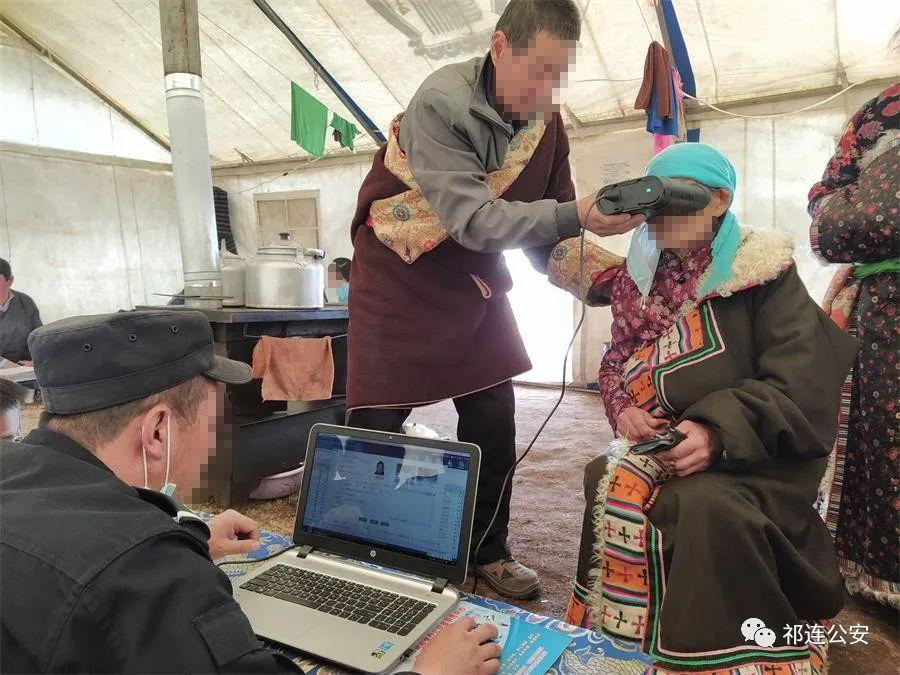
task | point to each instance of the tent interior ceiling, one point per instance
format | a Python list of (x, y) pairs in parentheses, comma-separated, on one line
[(380, 50)]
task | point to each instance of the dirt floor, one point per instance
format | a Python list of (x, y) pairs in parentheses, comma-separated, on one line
[(547, 509)]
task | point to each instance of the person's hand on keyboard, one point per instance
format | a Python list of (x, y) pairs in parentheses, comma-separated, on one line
[(463, 648), (231, 533)]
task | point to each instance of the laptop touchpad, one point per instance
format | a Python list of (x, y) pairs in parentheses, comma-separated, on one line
[(283, 621)]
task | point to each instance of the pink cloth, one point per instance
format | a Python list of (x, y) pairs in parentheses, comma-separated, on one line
[(635, 324), (676, 82), (661, 142)]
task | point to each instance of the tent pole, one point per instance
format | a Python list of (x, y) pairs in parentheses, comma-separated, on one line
[(357, 112)]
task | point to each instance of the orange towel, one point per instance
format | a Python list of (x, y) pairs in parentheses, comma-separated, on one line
[(294, 369)]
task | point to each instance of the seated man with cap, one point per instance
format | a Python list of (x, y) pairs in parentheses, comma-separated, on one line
[(101, 569)]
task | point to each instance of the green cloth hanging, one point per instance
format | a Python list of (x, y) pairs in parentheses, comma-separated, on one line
[(868, 269), (309, 121), (345, 129)]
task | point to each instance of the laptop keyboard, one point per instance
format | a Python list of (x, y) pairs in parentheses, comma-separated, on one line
[(393, 613)]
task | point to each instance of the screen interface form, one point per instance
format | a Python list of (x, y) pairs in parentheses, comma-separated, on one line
[(394, 496)]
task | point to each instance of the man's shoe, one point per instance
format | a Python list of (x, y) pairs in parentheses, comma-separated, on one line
[(510, 579)]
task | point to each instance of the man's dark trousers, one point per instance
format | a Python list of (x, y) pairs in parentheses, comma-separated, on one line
[(487, 419)]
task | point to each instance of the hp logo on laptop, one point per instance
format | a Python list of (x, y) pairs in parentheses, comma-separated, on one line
[(372, 553)]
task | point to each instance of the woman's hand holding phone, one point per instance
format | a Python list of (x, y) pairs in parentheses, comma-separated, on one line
[(636, 425), (697, 452)]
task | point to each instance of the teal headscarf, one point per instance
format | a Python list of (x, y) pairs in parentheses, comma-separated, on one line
[(706, 165)]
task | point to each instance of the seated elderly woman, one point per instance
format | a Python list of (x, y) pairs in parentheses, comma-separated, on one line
[(706, 551)]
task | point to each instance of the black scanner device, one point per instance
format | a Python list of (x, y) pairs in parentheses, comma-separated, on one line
[(652, 196)]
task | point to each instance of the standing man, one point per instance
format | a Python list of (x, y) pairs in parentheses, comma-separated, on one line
[(478, 163), (18, 317)]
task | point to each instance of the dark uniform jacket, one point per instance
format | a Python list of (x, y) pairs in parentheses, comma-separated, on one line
[(19, 319), (99, 577)]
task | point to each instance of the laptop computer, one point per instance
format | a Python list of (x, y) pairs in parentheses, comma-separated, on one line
[(383, 527)]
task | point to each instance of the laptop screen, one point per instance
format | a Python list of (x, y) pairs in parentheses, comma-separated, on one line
[(397, 496)]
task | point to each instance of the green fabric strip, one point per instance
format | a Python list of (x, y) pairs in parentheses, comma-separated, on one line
[(631, 602), (868, 269), (309, 121), (579, 594), (346, 130)]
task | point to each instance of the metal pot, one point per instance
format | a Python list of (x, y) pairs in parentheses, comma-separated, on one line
[(283, 276), (233, 269)]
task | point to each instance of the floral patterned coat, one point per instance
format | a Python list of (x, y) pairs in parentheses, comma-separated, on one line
[(855, 220)]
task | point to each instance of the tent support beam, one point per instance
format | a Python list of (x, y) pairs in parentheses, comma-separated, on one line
[(351, 105), (272, 166), (695, 112), (698, 111), (44, 152), (48, 54)]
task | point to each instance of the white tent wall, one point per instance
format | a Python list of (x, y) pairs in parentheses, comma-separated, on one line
[(44, 107), (87, 238), (87, 204)]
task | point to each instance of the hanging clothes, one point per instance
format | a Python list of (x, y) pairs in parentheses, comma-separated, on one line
[(663, 125), (656, 78), (309, 121), (344, 131)]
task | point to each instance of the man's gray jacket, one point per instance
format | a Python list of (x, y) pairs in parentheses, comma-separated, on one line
[(453, 136)]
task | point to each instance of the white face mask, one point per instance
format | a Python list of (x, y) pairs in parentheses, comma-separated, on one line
[(168, 488), (643, 259)]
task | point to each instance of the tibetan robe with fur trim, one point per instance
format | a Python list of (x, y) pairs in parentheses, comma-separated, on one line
[(683, 562)]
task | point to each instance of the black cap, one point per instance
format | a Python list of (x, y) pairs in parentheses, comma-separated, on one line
[(88, 363)]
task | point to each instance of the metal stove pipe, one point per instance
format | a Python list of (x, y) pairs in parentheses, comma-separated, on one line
[(191, 170)]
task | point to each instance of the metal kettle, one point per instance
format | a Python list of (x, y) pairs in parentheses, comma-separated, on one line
[(233, 269), (285, 276)]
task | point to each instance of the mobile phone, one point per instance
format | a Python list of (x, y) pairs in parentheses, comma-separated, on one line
[(662, 441)]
